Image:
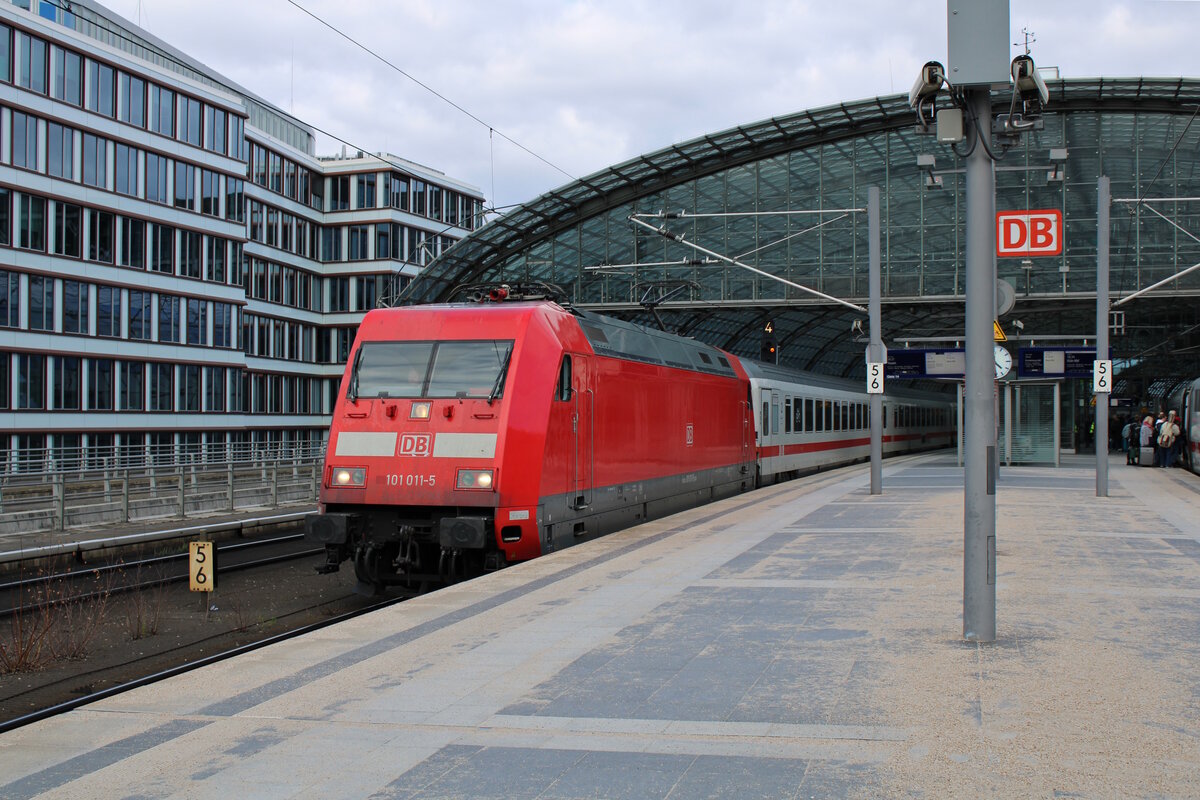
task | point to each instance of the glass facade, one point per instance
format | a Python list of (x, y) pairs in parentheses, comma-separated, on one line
[(787, 196), (144, 260)]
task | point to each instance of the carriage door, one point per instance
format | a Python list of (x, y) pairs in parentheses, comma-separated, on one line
[(583, 461)]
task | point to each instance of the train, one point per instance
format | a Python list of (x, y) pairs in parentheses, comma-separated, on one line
[(1184, 399), (472, 435)]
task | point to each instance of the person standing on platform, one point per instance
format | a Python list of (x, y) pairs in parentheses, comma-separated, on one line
[(1129, 441), (1146, 441), (1168, 437)]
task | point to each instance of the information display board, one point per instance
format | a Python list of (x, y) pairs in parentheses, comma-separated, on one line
[(1056, 362)]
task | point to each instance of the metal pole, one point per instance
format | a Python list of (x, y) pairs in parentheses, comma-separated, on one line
[(1103, 203), (876, 353), (979, 521)]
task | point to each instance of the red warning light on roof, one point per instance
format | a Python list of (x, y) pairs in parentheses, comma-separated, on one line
[(1029, 233)]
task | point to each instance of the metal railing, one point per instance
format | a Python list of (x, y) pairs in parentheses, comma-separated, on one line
[(124, 488)]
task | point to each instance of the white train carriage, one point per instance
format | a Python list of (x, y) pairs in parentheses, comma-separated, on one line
[(806, 422)]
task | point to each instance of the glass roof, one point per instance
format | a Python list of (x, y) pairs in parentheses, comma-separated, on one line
[(786, 197)]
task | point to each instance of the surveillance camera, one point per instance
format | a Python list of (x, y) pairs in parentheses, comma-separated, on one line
[(932, 76), (1029, 81)]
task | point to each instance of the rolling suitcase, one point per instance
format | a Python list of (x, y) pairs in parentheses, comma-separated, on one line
[(1146, 457)]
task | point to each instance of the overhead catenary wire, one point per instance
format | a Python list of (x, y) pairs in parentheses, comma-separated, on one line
[(431, 90)]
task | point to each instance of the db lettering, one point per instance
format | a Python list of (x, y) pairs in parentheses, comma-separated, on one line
[(415, 444)]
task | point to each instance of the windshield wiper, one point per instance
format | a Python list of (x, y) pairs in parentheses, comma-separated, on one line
[(500, 378), (352, 390)]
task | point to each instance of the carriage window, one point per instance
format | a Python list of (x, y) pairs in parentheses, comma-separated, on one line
[(563, 392), (845, 416), (798, 414), (787, 415), (808, 414)]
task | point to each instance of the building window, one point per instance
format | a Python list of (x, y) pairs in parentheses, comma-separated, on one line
[(358, 236), (235, 199), (399, 191), (5, 58), (31, 227), (331, 243), (259, 154), (75, 307), (10, 300), (215, 127), (157, 168), (31, 66), (66, 383), (60, 151), (317, 189), (24, 141), (168, 318), (210, 193), (189, 389), (41, 303), (162, 110), (185, 185), (339, 193), (222, 325), (418, 197), (133, 243), (100, 236), (189, 254), (366, 190), (339, 294), (127, 169), (162, 248), (366, 292), (435, 202), (68, 72), (67, 217), (102, 89), (272, 229), (95, 161), (31, 381), (214, 388), (133, 100), (289, 178), (189, 120), (161, 390), (108, 311), (100, 384), (5, 217), (197, 321), (239, 148), (133, 385), (139, 314), (275, 162), (215, 259)]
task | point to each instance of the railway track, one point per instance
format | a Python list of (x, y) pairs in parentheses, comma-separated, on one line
[(87, 631)]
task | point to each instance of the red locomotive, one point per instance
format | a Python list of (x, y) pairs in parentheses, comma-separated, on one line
[(469, 436)]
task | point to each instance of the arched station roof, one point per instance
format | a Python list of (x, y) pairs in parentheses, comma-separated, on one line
[(762, 181)]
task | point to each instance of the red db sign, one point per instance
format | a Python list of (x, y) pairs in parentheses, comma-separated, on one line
[(1029, 233)]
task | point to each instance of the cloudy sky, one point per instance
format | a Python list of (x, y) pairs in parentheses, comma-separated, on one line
[(589, 83)]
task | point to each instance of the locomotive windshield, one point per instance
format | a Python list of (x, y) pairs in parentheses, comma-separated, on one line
[(430, 369)]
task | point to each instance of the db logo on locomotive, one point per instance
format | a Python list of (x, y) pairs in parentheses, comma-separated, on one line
[(415, 444)]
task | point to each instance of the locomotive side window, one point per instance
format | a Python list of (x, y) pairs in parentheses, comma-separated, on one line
[(563, 390)]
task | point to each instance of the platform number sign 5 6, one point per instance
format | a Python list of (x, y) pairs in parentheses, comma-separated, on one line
[(1101, 377), (202, 566), (875, 378)]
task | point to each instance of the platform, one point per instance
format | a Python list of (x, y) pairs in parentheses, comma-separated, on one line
[(804, 640)]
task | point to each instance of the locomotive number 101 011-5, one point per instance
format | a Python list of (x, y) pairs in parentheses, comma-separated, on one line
[(395, 479)]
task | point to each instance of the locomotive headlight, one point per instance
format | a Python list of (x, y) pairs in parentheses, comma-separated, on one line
[(419, 411), (350, 477), (474, 479)]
